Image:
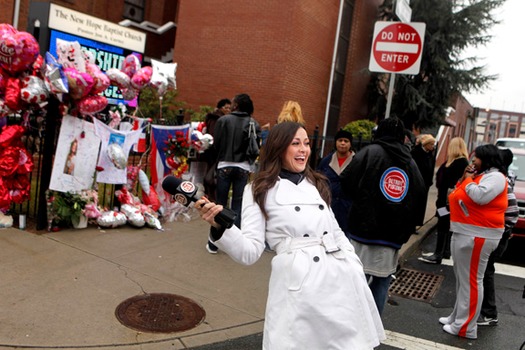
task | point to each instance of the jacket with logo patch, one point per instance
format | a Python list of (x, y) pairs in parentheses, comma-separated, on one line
[(388, 194)]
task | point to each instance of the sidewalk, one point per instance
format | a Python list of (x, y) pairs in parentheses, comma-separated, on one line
[(61, 289)]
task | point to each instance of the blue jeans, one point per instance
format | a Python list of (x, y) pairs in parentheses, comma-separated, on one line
[(236, 178), (379, 287)]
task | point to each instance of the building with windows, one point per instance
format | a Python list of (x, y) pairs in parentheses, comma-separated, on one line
[(310, 51), (493, 124)]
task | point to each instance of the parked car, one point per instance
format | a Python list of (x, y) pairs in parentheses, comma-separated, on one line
[(510, 142), (518, 167)]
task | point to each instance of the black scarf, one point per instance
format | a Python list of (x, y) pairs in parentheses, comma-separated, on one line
[(294, 177)]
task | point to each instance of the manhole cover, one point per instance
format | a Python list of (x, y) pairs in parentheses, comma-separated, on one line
[(160, 313), (416, 285)]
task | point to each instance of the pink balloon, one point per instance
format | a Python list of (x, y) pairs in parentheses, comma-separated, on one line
[(101, 80), (18, 51), (92, 104), (80, 84), (141, 78), (7, 29), (130, 65)]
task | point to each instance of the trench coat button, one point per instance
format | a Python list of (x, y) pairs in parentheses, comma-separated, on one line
[(306, 235), (297, 208), (325, 233), (316, 258), (321, 207)]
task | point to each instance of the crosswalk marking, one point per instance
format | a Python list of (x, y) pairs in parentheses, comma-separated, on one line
[(501, 269), (407, 342)]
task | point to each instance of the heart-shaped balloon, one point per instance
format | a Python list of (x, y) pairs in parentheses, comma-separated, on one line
[(6, 29), (80, 84), (33, 90), (119, 78), (141, 78), (18, 51), (101, 80), (92, 104), (130, 65)]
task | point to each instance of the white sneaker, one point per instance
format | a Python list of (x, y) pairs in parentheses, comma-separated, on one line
[(443, 320), (211, 251)]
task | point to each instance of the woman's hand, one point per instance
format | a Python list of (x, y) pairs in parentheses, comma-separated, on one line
[(470, 172), (208, 210)]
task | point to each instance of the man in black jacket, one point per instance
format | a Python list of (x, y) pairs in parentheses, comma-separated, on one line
[(388, 196), (233, 167)]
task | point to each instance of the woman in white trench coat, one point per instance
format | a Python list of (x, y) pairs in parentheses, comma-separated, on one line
[(318, 295)]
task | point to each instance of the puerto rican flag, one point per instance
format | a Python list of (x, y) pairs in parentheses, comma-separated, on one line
[(159, 136)]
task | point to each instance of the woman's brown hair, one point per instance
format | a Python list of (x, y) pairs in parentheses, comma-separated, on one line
[(271, 164)]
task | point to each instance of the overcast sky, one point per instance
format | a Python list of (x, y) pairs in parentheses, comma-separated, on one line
[(504, 56)]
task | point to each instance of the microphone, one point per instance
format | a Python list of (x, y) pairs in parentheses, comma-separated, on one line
[(183, 192)]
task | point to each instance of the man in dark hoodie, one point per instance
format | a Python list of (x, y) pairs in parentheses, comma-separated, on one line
[(388, 194)]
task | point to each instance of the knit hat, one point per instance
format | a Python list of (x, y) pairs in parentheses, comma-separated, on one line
[(343, 134), (426, 139)]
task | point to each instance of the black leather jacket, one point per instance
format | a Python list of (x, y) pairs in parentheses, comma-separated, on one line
[(231, 137)]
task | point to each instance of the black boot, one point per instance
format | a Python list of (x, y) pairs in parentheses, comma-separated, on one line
[(433, 259)]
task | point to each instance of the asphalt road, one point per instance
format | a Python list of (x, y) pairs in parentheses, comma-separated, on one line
[(413, 324)]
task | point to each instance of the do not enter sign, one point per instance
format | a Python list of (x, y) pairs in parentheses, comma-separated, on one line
[(397, 47)]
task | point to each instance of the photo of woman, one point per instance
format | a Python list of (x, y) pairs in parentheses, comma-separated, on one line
[(69, 167)]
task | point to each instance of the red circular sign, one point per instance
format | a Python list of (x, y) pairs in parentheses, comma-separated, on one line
[(397, 47)]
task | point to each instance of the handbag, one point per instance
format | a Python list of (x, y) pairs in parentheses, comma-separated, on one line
[(252, 151)]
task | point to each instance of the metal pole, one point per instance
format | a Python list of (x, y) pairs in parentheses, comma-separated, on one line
[(390, 95), (48, 152), (332, 73)]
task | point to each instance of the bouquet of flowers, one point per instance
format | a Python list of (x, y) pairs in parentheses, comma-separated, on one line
[(176, 152), (64, 208)]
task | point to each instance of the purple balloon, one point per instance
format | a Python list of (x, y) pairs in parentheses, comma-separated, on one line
[(3, 122)]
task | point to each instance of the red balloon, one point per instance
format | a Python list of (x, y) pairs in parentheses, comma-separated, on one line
[(12, 94), (92, 104)]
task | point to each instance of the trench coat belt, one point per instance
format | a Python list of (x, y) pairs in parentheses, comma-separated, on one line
[(292, 243)]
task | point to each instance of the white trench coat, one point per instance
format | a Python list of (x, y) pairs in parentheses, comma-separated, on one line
[(317, 299)]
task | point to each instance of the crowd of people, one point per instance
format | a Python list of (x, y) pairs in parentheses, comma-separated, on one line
[(337, 230)]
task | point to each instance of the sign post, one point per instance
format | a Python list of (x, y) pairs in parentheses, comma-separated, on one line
[(397, 48)]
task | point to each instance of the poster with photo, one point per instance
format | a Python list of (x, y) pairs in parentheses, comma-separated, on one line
[(114, 152), (75, 157)]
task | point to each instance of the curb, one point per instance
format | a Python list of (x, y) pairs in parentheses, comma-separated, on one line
[(415, 240)]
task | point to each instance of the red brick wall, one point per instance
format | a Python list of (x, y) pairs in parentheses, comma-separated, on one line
[(272, 50), (354, 105)]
